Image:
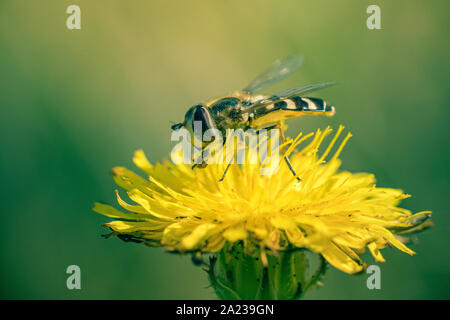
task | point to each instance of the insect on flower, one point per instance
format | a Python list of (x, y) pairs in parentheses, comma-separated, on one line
[(245, 109), (258, 230)]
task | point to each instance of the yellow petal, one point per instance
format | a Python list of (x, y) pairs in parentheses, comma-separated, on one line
[(341, 260), (199, 234), (141, 161), (235, 234)]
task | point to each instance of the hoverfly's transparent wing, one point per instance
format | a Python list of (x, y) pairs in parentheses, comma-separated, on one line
[(302, 90), (277, 72), (288, 93)]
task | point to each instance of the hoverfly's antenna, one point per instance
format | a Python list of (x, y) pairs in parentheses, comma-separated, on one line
[(176, 126)]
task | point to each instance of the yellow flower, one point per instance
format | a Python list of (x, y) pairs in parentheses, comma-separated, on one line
[(335, 214)]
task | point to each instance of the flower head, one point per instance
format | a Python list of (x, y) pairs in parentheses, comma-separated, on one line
[(337, 214)]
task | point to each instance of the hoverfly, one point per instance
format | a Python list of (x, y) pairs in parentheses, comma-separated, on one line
[(245, 109)]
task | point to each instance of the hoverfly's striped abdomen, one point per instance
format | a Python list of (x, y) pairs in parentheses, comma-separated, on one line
[(290, 108), (312, 104)]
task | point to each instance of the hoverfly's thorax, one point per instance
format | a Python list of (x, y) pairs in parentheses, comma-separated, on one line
[(229, 112)]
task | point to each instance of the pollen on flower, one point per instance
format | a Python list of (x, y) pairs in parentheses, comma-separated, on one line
[(335, 213)]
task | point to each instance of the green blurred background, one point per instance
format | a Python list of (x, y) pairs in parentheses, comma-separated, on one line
[(76, 103)]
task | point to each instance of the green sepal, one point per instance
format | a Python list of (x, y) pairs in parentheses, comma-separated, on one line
[(235, 275)]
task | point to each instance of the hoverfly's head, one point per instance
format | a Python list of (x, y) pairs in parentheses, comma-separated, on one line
[(197, 121)]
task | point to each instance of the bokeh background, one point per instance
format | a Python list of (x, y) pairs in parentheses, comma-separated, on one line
[(76, 103)]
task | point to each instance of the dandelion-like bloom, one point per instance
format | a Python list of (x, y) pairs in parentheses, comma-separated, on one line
[(336, 214)]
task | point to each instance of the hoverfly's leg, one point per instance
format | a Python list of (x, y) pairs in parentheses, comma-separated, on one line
[(228, 167), (202, 164), (225, 172), (286, 159), (196, 164), (290, 168)]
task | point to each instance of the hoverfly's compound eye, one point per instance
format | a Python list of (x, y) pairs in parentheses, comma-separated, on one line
[(201, 115), (176, 126), (198, 120)]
